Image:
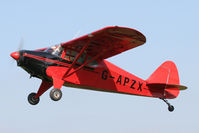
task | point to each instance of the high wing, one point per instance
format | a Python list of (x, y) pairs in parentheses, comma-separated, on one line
[(107, 42)]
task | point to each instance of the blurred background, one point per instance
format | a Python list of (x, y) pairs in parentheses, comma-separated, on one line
[(171, 28)]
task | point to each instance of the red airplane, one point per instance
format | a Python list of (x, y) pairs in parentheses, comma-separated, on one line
[(81, 63)]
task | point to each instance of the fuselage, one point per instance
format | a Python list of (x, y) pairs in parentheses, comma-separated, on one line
[(104, 76)]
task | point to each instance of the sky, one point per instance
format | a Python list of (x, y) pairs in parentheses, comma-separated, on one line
[(171, 28)]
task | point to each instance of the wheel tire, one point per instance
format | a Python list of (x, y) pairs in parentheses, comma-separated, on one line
[(171, 108), (32, 100), (55, 94)]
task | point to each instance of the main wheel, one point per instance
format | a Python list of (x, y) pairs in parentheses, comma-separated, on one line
[(55, 94), (171, 108), (32, 100)]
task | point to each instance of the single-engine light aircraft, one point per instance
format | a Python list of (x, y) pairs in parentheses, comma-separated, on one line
[(81, 63)]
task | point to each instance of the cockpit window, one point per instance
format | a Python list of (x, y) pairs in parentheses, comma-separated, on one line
[(93, 63), (55, 50), (70, 55)]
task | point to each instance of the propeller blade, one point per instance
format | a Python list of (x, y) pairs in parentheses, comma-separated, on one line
[(21, 44)]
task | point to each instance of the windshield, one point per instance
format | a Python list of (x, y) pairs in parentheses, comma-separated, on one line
[(55, 50)]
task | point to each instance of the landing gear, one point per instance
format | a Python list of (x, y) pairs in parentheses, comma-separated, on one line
[(32, 100), (170, 107), (55, 94)]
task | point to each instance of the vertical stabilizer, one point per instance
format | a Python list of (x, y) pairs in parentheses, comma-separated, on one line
[(167, 73)]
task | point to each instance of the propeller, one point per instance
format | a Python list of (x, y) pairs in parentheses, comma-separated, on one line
[(20, 47), (21, 44)]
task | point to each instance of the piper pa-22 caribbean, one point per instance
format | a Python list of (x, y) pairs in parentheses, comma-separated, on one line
[(81, 63)]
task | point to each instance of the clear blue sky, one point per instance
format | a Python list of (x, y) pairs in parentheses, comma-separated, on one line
[(171, 28)]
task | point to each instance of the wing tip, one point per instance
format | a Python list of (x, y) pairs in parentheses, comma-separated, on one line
[(127, 31)]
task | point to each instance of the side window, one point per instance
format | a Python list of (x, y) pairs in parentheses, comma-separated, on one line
[(93, 63), (81, 59), (70, 55), (67, 55)]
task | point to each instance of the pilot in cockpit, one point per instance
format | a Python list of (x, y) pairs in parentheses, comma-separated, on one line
[(55, 50)]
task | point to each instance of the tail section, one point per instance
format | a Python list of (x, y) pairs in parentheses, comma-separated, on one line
[(166, 78)]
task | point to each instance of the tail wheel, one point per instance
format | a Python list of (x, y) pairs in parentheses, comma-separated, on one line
[(32, 100), (55, 94), (171, 108)]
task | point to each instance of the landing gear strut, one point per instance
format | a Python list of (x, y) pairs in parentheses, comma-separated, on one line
[(32, 100), (170, 107)]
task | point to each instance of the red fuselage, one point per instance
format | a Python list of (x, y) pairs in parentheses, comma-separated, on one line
[(110, 78)]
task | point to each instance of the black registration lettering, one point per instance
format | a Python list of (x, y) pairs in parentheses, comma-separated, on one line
[(126, 80), (104, 74), (119, 80), (132, 85), (140, 86)]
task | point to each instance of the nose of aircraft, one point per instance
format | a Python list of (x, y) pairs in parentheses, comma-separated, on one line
[(15, 55)]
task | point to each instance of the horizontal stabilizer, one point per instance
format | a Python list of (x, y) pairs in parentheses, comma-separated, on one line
[(166, 86)]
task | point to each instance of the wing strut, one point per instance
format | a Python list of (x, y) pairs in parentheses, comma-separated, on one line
[(82, 65), (67, 74), (77, 57)]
